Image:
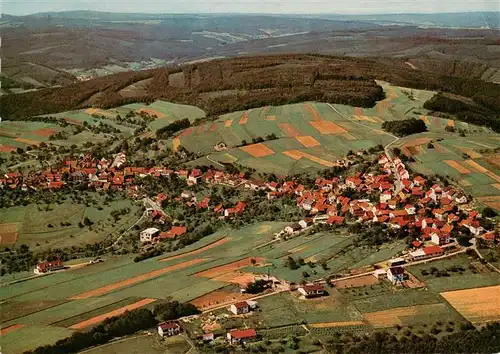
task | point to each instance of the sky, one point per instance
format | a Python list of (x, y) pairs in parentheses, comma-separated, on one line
[(25, 7)]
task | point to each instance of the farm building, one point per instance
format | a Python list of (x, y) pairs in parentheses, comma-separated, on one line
[(396, 262), (240, 308), (241, 336), (427, 252), (293, 228), (380, 273), (312, 290), (396, 274), (45, 267), (148, 234), (169, 329)]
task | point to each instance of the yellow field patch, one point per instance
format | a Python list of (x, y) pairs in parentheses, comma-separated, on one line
[(228, 123), (472, 154), (481, 169), (477, 305), (271, 118), (297, 155), (375, 120), (457, 166), (244, 118), (451, 123), (440, 148), (425, 119), (326, 127), (176, 142), (349, 136), (380, 132), (395, 316), (257, 150), (263, 229), (418, 141), (91, 111), (27, 141), (228, 158), (307, 141), (336, 324)]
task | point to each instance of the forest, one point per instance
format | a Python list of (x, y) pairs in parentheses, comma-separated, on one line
[(405, 127), (226, 85)]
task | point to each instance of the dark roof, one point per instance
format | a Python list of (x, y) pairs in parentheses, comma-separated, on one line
[(397, 270)]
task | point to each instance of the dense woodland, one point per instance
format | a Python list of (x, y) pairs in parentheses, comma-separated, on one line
[(405, 127), (249, 82)]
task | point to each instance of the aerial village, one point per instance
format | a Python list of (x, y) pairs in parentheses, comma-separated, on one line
[(434, 212)]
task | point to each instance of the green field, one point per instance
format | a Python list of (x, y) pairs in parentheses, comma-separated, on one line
[(136, 345), (31, 337), (398, 298), (40, 226)]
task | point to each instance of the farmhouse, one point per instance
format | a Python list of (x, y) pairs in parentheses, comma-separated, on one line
[(427, 252), (312, 290), (148, 234), (241, 336), (396, 274), (45, 267), (291, 229), (380, 273), (174, 232), (169, 329), (240, 308), (440, 238)]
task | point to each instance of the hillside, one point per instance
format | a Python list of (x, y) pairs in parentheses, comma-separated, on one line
[(228, 85)]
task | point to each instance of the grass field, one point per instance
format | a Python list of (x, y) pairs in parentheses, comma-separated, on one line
[(41, 228), (31, 337), (133, 345)]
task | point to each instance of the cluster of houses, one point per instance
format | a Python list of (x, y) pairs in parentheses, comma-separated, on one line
[(49, 266)]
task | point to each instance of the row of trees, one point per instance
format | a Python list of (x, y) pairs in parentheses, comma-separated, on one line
[(119, 326)]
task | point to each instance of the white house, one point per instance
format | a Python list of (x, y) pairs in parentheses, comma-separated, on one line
[(169, 329), (396, 274), (240, 308), (311, 290), (291, 229), (241, 336), (148, 234)]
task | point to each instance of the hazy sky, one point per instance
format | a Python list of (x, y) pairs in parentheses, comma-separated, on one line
[(23, 7)]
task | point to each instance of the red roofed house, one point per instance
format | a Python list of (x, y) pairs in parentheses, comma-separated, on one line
[(241, 336), (174, 232), (194, 176), (240, 307), (335, 220), (169, 329), (45, 267), (440, 238), (311, 290), (427, 252)]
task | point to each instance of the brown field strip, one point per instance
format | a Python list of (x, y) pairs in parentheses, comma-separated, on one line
[(8, 227), (491, 201), (213, 127), (472, 154), (326, 127), (477, 305), (257, 150), (289, 130), (27, 141), (45, 132), (307, 141), (228, 268), (176, 142), (348, 136), (217, 298), (358, 111), (197, 251), (496, 185), (151, 112), (270, 117), (238, 278), (368, 119), (481, 169), (440, 148), (200, 128), (315, 114), (11, 328), (134, 280), (357, 281), (8, 238), (98, 319), (457, 166), (392, 317), (73, 121), (228, 123), (418, 141), (336, 324), (297, 155), (494, 160), (7, 148), (244, 118), (187, 132)]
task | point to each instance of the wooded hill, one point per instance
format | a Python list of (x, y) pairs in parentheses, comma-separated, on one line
[(226, 85)]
